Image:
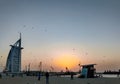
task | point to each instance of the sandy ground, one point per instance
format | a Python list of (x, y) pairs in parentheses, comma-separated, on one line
[(59, 80)]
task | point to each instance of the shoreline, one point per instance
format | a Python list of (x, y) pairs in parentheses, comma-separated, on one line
[(58, 80)]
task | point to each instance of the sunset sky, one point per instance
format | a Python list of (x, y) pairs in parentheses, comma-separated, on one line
[(62, 33)]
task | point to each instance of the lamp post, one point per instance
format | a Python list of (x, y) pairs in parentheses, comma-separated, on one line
[(79, 67), (0, 63)]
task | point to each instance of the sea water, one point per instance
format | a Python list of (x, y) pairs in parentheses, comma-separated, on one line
[(103, 75), (110, 75)]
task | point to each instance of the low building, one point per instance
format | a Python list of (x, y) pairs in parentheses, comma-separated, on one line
[(88, 71)]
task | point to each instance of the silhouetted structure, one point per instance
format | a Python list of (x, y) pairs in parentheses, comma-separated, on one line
[(72, 75), (88, 71), (111, 72), (47, 77), (13, 64), (39, 76)]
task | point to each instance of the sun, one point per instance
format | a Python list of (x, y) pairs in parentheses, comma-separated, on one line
[(69, 61)]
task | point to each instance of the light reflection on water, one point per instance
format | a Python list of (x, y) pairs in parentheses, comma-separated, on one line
[(110, 75), (103, 75)]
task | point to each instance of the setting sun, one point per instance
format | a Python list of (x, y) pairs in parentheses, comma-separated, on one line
[(69, 61)]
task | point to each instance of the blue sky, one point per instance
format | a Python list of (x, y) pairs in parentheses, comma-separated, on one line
[(50, 26)]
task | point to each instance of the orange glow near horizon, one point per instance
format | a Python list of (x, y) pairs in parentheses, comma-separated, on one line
[(66, 61)]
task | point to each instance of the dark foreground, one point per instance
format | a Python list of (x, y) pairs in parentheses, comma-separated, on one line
[(58, 80)]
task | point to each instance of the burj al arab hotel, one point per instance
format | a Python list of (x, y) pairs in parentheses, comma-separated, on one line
[(13, 64)]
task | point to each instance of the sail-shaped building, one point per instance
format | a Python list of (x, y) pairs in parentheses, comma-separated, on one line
[(13, 64)]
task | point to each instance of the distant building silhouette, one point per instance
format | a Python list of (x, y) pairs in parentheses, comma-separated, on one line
[(13, 64)]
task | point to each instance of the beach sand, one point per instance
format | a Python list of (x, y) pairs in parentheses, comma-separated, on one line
[(58, 80)]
